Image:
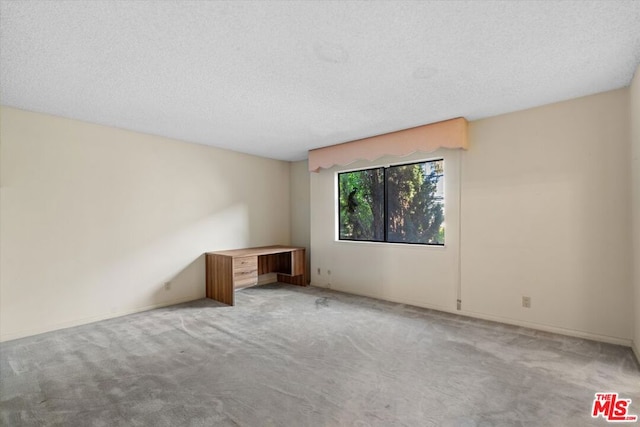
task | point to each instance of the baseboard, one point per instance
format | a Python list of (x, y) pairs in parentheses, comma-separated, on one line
[(399, 301), (505, 320), (548, 328), (636, 350), (92, 319)]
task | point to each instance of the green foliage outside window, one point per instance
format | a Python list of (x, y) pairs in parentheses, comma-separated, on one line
[(399, 204)]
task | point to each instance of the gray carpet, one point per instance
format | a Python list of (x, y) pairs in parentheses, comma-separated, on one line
[(291, 356)]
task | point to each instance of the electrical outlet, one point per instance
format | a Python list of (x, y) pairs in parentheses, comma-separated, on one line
[(167, 286), (526, 302)]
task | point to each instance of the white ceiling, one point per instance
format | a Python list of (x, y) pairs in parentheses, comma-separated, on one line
[(276, 79)]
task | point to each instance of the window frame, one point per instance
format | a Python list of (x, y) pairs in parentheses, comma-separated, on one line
[(384, 168)]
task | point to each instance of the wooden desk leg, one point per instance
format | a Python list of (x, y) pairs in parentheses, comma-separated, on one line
[(219, 272), (298, 263)]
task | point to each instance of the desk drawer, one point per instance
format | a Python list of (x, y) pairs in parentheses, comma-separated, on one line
[(245, 271), (246, 262)]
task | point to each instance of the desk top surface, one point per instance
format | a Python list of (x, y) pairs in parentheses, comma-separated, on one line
[(263, 250)]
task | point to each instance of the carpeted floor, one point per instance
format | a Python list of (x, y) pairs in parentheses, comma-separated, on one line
[(291, 356)]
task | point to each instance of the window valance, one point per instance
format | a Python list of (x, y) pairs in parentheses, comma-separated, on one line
[(447, 134)]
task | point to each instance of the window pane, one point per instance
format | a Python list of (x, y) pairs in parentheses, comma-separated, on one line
[(415, 203), (361, 198)]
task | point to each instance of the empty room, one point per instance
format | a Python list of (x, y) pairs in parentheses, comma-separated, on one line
[(319, 213)]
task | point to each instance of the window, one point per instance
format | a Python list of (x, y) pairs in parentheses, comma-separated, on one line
[(395, 204)]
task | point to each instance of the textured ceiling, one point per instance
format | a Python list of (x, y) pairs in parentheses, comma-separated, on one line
[(276, 79)]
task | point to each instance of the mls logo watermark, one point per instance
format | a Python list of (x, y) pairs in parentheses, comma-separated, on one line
[(612, 409)]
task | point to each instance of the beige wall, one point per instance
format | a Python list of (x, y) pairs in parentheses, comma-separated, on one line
[(300, 207), (634, 97), (426, 276), (545, 213), (94, 220)]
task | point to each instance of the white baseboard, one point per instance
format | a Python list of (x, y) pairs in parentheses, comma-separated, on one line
[(92, 319), (399, 301), (548, 328), (509, 321), (636, 350)]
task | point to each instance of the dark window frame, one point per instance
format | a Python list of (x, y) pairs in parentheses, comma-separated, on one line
[(386, 203)]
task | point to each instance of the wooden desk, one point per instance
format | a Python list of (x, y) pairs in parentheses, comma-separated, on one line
[(230, 270)]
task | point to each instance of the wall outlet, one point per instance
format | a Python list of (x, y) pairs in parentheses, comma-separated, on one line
[(526, 302), (167, 286)]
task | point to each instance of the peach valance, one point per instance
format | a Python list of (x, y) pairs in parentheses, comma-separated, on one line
[(447, 134)]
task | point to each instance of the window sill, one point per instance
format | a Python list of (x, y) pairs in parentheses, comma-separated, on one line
[(383, 244)]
